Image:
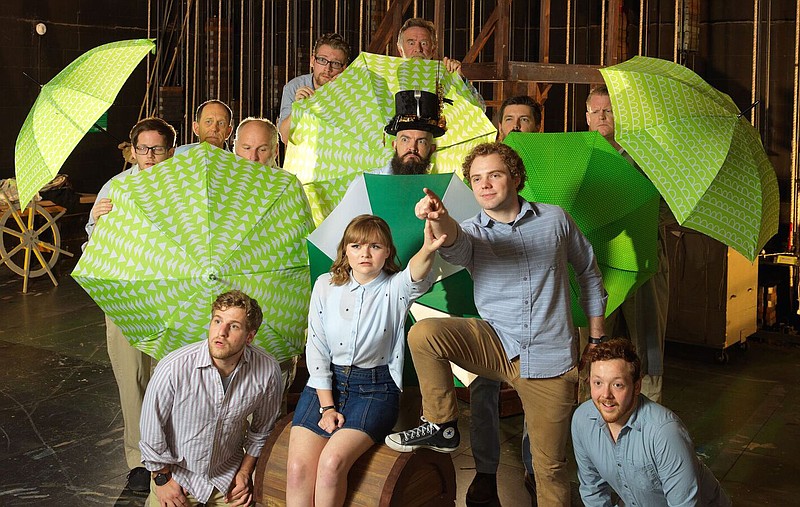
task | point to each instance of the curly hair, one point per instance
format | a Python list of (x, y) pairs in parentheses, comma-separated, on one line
[(363, 229), (335, 41), (511, 161), (238, 299), (617, 348)]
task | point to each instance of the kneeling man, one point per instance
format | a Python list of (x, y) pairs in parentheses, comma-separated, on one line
[(198, 403), (626, 444)]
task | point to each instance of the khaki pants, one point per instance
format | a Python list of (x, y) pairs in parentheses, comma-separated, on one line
[(132, 372), (473, 345), (217, 498)]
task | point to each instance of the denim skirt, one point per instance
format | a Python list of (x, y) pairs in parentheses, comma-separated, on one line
[(367, 397)]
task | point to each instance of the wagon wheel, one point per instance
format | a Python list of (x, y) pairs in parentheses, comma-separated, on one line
[(31, 232)]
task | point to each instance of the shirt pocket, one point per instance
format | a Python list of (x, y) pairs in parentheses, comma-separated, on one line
[(645, 477), (378, 392)]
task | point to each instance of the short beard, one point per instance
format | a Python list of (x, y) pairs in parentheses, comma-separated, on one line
[(410, 167)]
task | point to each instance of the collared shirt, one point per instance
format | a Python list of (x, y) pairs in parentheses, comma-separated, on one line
[(360, 325), (652, 464), (289, 91), (522, 283), (103, 193), (195, 428)]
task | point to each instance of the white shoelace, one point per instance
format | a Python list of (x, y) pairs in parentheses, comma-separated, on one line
[(426, 429)]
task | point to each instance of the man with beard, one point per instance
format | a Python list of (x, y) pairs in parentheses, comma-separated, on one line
[(415, 126), (329, 59), (257, 140), (630, 446), (199, 400)]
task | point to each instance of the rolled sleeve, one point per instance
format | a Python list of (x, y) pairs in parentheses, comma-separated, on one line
[(156, 411), (318, 353), (265, 414)]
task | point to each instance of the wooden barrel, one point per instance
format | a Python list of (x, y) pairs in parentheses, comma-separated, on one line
[(381, 476)]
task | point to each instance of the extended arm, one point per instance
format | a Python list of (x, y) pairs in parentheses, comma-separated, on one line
[(420, 265), (432, 209)]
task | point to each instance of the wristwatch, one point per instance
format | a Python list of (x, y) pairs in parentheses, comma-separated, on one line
[(162, 478), (597, 341), (323, 409)]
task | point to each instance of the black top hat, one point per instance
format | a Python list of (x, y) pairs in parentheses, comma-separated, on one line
[(416, 110)]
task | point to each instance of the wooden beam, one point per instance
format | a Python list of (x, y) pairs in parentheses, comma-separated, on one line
[(544, 31), (387, 31), (536, 72), (501, 37), (483, 37), (438, 23), (613, 32)]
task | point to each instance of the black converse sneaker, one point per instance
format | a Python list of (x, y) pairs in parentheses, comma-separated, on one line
[(438, 437)]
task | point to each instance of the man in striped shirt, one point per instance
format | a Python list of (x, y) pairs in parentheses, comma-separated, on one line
[(196, 405), (518, 254)]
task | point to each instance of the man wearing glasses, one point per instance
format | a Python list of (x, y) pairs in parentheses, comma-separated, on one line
[(153, 141), (330, 57)]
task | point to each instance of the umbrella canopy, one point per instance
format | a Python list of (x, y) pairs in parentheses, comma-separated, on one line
[(393, 198), (706, 160), (338, 132), (66, 109), (614, 205), (194, 226)]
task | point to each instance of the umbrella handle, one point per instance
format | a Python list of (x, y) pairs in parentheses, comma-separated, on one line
[(753, 105)]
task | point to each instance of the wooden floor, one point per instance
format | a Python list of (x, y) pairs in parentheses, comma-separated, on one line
[(61, 427)]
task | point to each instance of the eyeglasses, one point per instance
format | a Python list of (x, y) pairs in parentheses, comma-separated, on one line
[(325, 62), (606, 112), (157, 150)]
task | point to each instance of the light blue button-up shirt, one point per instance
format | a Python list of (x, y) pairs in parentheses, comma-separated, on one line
[(652, 463), (521, 276), (359, 325)]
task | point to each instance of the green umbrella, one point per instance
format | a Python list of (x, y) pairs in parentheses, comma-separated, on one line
[(614, 205), (706, 160), (338, 132), (66, 109), (190, 228), (393, 198)]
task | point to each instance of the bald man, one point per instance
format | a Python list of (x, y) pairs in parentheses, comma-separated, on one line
[(257, 140)]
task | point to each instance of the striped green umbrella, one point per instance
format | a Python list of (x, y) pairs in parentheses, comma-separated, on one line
[(613, 204), (194, 226), (66, 109), (338, 132), (703, 156)]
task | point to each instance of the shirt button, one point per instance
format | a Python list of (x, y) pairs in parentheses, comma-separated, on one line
[(525, 278), (525, 302), (525, 326)]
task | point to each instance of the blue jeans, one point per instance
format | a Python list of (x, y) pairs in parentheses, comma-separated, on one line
[(367, 397)]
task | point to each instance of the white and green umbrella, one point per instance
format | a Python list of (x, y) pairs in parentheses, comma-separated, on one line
[(393, 198), (67, 107), (190, 228), (338, 132)]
